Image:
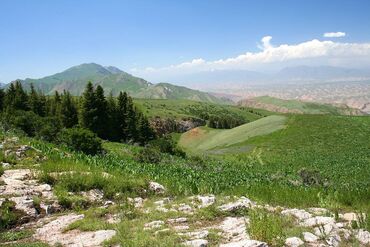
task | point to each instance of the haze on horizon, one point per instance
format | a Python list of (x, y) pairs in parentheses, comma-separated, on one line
[(167, 40)]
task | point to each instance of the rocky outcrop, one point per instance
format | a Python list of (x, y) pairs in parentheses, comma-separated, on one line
[(163, 126)]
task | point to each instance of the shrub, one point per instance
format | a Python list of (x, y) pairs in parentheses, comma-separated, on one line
[(166, 144), (80, 139), (149, 155), (310, 177)]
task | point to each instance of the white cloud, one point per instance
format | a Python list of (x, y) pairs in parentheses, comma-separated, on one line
[(314, 52), (334, 35)]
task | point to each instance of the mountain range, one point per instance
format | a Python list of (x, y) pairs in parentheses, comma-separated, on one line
[(114, 80)]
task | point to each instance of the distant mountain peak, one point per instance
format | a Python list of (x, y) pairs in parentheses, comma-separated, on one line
[(113, 70)]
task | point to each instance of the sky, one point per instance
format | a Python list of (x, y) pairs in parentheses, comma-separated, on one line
[(162, 38)]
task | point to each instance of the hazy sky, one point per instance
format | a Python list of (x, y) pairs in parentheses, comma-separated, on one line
[(155, 38)]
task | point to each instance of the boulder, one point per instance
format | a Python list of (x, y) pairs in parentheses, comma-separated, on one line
[(363, 237), (156, 187), (242, 203), (177, 220), (196, 234), (310, 237), (196, 243), (300, 214), (317, 221), (205, 201), (234, 229), (293, 242), (245, 243)]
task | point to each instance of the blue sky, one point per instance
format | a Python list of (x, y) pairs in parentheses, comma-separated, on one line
[(39, 38)]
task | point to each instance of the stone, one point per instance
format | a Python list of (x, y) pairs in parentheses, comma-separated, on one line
[(25, 204), (363, 237), (242, 203), (153, 225), (317, 221), (52, 233), (181, 228), (309, 237), (205, 201), (177, 220), (318, 211), (334, 240), (300, 214), (325, 230), (196, 243), (184, 208), (245, 243), (5, 165), (234, 229), (43, 187), (113, 218), (156, 187), (196, 235), (293, 242), (94, 195)]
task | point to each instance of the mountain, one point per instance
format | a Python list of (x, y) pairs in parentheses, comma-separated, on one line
[(170, 91), (115, 80), (297, 106)]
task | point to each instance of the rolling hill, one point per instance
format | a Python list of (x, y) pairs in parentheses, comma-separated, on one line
[(203, 139), (115, 80), (297, 106)]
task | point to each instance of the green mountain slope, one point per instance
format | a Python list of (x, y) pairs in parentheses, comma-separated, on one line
[(205, 139), (115, 80), (296, 106)]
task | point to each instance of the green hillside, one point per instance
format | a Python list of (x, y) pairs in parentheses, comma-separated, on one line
[(296, 106), (204, 139), (114, 80)]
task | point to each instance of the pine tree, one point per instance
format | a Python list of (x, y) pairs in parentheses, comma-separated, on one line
[(122, 115), (101, 113), (54, 105), (36, 102), (18, 97), (68, 111), (145, 132), (113, 123), (131, 127), (2, 99), (88, 116)]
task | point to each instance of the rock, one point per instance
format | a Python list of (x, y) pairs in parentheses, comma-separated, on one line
[(113, 218), (333, 240), (184, 208), (293, 242), (234, 229), (162, 231), (5, 165), (318, 211), (317, 221), (196, 235), (43, 187), (245, 243), (309, 237), (325, 230), (300, 214), (25, 204), (242, 203), (153, 225), (156, 188), (181, 228), (351, 217), (53, 234), (196, 243), (363, 237), (94, 195), (17, 174), (108, 203), (205, 201), (177, 220)]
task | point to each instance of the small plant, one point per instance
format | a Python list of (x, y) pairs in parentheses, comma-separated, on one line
[(310, 177), (15, 235), (9, 215), (149, 155)]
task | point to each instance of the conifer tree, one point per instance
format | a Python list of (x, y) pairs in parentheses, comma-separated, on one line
[(54, 105), (101, 113), (68, 111), (36, 102), (113, 123), (88, 116), (2, 99), (122, 115), (19, 98), (131, 123)]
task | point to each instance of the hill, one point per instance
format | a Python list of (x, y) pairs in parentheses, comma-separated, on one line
[(115, 80), (296, 106), (205, 139)]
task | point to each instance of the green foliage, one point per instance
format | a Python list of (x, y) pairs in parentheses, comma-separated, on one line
[(267, 227), (10, 236), (166, 144), (80, 139), (310, 177), (149, 155), (9, 215)]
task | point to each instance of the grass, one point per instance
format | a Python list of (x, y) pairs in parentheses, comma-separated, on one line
[(10, 236), (205, 139), (187, 109)]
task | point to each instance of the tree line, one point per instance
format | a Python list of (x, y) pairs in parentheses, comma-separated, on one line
[(114, 119)]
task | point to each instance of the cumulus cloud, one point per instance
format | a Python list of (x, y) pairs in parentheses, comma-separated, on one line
[(314, 52), (334, 34)]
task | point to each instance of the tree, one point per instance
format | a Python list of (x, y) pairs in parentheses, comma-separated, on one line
[(131, 121), (113, 122), (145, 132), (68, 111), (101, 113), (54, 105), (36, 102), (88, 116), (2, 99), (122, 115)]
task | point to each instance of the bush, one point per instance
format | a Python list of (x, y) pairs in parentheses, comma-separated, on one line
[(166, 144), (9, 215), (310, 177), (149, 155), (79, 139)]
